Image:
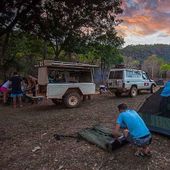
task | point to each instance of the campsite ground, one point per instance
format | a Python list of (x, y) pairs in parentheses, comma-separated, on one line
[(26, 138)]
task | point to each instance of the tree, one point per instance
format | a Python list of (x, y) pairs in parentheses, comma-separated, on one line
[(13, 15), (141, 52), (23, 52), (164, 69), (70, 24), (131, 63), (64, 25), (152, 65)]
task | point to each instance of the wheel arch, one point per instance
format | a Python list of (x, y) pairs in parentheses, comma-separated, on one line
[(134, 85), (71, 90)]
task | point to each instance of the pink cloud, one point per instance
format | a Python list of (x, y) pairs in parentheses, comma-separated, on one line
[(143, 17)]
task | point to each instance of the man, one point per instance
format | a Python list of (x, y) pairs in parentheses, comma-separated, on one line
[(135, 129), (16, 91)]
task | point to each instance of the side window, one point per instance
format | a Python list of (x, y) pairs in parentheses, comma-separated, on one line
[(129, 74), (116, 74), (137, 74), (111, 75), (55, 76), (144, 76)]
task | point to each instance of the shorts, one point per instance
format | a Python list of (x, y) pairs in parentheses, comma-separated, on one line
[(140, 142), (17, 94), (3, 89)]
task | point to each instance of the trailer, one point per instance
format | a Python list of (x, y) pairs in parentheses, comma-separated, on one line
[(67, 82)]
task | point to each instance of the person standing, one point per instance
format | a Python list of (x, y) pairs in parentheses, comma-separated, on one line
[(5, 90), (16, 91), (134, 129)]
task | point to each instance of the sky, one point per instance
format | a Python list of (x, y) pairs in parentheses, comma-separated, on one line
[(145, 22)]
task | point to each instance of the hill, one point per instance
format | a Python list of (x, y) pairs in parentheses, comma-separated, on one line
[(141, 52)]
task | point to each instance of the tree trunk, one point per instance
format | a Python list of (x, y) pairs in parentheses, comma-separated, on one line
[(4, 47), (3, 53), (45, 50)]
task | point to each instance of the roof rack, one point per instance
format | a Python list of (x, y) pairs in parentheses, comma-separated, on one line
[(120, 66), (52, 63)]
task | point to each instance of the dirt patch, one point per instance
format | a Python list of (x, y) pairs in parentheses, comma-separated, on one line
[(26, 138)]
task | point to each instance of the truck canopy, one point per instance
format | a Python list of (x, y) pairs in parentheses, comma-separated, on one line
[(64, 71)]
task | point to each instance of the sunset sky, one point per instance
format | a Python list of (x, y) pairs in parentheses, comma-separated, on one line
[(145, 22)]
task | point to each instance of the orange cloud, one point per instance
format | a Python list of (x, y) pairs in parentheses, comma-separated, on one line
[(143, 17)]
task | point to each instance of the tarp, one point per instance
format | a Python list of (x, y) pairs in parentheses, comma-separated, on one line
[(102, 137)]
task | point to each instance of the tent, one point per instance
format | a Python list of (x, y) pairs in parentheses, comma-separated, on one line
[(156, 110)]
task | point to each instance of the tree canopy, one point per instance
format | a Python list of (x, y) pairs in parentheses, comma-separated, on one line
[(141, 52), (66, 26), (70, 23), (16, 13)]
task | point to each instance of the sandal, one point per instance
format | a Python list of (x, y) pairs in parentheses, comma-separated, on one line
[(148, 154), (139, 154)]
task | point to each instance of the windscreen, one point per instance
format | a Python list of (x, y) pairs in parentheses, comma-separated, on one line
[(116, 75)]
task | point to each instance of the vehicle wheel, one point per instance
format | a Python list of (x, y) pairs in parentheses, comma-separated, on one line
[(101, 90), (153, 88), (56, 101), (72, 99), (133, 91), (117, 94)]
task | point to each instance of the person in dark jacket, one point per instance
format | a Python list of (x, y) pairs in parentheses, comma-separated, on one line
[(16, 91)]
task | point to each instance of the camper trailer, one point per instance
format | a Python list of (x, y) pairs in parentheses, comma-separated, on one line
[(67, 82)]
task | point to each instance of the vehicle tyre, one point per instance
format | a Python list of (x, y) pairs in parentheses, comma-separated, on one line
[(101, 90), (153, 88), (72, 99), (133, 91), (117, 94), (56, 101)]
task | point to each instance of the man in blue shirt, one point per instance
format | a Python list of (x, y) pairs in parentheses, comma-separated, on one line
[(135, 129)]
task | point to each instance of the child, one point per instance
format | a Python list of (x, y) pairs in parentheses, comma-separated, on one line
[(16, 91), (5, 90)]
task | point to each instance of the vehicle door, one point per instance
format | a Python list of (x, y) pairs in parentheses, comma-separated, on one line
[(137, 75), (145, 81), (128, 79), (115, 79)]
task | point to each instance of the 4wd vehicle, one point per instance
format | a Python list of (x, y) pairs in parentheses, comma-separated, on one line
[(66, 82), (122, 80)]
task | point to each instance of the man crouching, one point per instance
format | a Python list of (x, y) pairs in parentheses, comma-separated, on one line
[(135, 130)]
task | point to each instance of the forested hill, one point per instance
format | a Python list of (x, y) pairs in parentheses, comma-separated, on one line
[(141, 52)]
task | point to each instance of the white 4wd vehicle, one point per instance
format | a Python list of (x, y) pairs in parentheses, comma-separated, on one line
[(66, 82), (122, 80)]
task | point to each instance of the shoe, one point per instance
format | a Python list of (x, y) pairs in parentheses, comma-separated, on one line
[(142, 154)]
